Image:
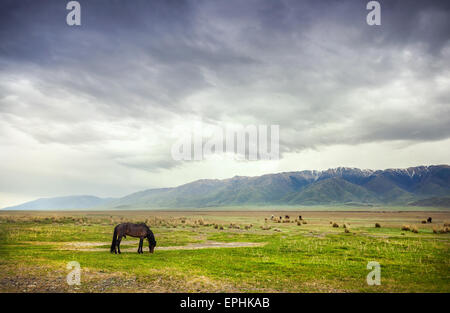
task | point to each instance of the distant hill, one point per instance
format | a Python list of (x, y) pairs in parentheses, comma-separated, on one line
[(62, 203), (434, 202), (332, 190), (343, 185), (334, 186)]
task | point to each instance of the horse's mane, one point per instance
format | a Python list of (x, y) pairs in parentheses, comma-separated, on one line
[(144, 225), (148, 228), (150, 234)]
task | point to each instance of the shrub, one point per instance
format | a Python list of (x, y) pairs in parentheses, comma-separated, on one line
[(442, 230), (346, 230), (299, 223), (424, 222), (377, 225), (414, 229), (335, 225), (406, 227), (304, 222)]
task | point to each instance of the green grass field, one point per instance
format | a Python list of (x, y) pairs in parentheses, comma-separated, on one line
[(225, 252)]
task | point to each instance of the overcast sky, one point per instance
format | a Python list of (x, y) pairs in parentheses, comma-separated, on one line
[(91, 109)]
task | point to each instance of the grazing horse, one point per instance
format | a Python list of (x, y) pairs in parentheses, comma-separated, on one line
[(134, 230)]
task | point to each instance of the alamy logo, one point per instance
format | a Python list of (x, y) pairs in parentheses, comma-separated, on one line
[(240, 143), (74, 16), (74, 276), (374, 16), (374, 277)]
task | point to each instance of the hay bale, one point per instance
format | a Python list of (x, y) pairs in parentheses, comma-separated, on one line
[(443, 230)]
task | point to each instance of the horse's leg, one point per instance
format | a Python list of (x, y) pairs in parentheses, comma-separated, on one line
[(140, 245), (119, 239), (117, 243)]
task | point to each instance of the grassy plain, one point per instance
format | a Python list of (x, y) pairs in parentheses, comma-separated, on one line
[(229, 251)]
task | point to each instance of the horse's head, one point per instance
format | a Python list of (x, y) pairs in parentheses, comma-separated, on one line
[(151, 241)]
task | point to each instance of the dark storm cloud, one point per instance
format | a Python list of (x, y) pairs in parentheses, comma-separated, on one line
[(314, 67)]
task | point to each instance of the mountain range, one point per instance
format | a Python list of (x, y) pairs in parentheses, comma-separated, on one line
[(421, 185), (63, 203)]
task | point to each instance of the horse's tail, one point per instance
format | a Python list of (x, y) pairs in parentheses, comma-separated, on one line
[(114, 240)]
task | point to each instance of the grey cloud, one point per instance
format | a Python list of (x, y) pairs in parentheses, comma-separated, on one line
[(310, 66)]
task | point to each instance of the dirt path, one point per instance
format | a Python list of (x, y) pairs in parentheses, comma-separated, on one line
[(90, 246)]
